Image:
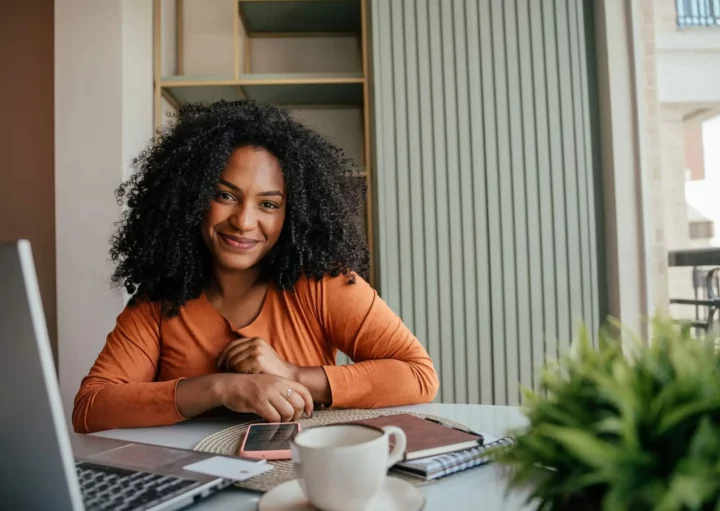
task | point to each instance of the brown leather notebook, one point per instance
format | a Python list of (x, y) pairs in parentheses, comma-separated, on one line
[(425, 437)]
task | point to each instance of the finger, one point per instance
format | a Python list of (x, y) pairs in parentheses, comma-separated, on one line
[(230, 348), (247, 361), (226, 349), (283, 407), (241, 353), (268, 412), (305, 394), (298, 404), (243, 365), (233, 349)]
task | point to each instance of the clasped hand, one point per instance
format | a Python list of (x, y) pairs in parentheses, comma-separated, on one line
[(254, 356), (266, 380)]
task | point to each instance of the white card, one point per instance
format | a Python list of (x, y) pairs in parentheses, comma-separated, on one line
[(229, 468)]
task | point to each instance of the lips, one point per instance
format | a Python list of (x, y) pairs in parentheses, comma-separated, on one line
[(238, 243)]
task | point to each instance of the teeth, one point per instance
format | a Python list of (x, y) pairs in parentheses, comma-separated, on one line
[(244, 243)]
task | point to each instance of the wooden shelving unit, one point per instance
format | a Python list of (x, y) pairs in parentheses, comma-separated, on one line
[(255, 19), (262, 17), (340, 89)]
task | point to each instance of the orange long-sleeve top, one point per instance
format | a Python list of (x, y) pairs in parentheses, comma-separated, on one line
[(133, 380)]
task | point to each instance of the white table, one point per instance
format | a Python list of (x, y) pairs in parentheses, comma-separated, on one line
[(480, 488)]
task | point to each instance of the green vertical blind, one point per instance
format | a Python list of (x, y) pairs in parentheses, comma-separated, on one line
[(485, 183)]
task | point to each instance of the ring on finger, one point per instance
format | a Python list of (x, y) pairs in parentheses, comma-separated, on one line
[(289, 391)]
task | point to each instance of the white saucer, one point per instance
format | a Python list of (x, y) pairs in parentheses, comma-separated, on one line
[(395, 495)]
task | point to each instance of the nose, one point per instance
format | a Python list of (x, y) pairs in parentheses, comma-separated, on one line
[(244, 218)]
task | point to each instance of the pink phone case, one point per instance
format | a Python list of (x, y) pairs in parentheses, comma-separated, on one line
[(285, 454)]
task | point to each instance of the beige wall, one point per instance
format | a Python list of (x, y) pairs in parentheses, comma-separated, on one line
[(689, 73), (672, 156), (686, 59), (103, 116), (27, 200), (650, 16), (674, 208), (208, 36), (694, 160), (664, 15)]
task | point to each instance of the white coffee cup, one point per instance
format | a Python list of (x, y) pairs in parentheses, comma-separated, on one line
[(341, 467)]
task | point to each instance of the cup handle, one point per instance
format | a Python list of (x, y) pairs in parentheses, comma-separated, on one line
[(398, 452)]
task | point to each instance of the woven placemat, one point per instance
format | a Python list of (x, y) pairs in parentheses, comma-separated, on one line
[(228, 440)]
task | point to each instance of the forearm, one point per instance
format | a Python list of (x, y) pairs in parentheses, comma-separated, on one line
[(382, 383), (102, 404), (200, 394), (316, 381)]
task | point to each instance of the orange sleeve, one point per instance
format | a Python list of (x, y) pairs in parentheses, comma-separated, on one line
[(120, 391), (391, 366)]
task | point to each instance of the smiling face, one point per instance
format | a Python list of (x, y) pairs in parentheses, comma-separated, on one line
[(246, 215)]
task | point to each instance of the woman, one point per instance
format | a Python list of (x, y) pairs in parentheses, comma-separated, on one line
[(243, 249)]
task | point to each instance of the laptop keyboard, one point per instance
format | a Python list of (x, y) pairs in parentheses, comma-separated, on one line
[(119, 489)]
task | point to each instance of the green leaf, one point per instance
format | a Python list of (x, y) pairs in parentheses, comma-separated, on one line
[(585, 446), (692, 490), (553, 411), (667, 501), (706, 442), (684, 412), (530, 397), (545, 452), (615, 500), (613, 425), (577, 484)]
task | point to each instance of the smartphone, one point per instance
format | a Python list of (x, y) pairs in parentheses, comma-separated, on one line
[(270, 441)]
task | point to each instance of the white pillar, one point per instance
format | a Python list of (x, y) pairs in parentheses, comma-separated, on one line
[(711, 149), (102, 117), (625, 149)]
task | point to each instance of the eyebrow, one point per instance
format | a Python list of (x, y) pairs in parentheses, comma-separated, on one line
[(230, 185), (271, 193)]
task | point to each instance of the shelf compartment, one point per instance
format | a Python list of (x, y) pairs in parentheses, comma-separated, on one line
[(300, 17), (279, 89)]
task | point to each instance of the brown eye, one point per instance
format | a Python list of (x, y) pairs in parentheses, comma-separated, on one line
[(224, 196)]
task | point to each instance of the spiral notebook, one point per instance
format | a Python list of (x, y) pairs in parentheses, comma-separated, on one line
[(443, 465)]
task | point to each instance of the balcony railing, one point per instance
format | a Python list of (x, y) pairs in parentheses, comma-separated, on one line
[(705, 264), (698, 13)]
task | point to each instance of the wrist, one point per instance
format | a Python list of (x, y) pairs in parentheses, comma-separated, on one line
[(219, 388), (316, 381), (296, 374)]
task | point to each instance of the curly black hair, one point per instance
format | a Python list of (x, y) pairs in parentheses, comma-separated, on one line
[(158, 250)]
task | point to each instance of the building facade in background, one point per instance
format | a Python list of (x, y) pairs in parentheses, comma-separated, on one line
[(683, 46)]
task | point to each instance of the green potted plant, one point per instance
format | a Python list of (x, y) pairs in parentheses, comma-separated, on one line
[(613, 430)]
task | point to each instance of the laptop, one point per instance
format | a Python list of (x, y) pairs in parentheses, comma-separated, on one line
[(43, 466)]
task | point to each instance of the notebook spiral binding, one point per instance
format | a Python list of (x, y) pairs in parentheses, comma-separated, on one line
[(446, 464)]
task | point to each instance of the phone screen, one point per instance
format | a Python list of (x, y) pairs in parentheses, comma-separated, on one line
[(270, 437)]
